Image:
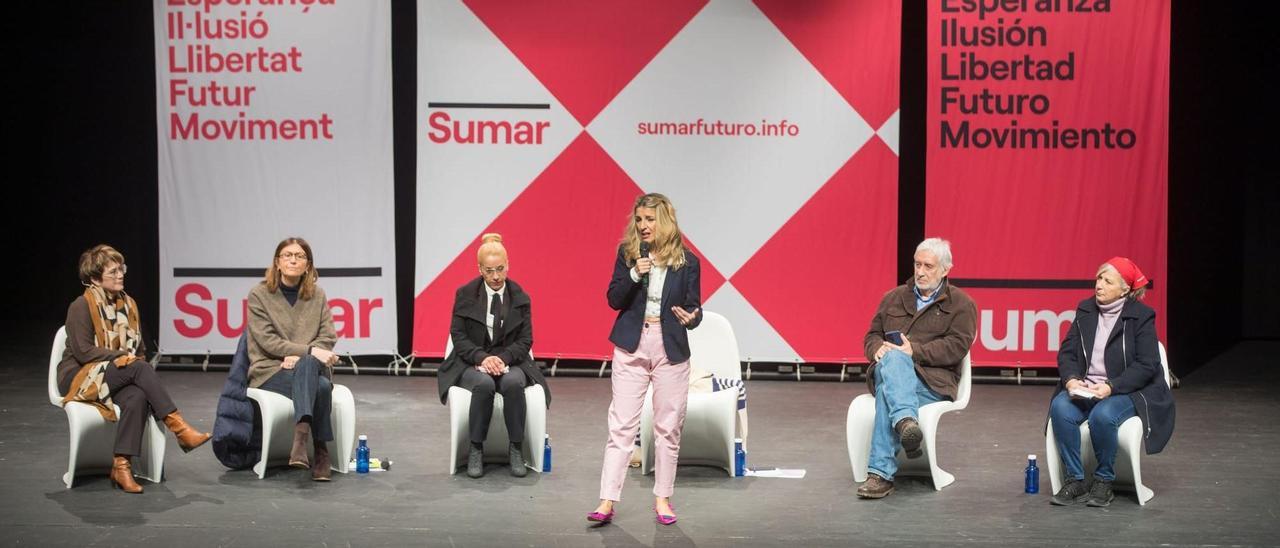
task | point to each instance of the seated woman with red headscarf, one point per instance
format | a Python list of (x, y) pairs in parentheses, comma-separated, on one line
[(1110, 370)]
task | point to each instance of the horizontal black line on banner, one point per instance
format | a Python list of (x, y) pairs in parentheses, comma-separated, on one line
[(540, 106), (359, 272), (995, 283)]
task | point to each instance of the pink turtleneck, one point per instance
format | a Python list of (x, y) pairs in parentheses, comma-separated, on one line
[(1107, 316)]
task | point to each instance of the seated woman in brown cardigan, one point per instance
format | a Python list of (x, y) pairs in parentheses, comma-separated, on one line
[(291, 340), (103, 364)]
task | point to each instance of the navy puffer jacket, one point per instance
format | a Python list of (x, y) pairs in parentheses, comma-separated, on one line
[(237, 432)]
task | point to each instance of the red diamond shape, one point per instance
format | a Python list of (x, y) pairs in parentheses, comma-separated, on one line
[(585, 52), (836, 255), (854, 44), (562, 235)]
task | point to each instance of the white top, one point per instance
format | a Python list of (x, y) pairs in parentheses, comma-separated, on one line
[(653, 298), (488, 306)]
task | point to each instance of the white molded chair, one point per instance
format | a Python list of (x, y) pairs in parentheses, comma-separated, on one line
[(495, 445), (276, 412), (92, 437), (1128, 465), (858, 429), (710, 419)]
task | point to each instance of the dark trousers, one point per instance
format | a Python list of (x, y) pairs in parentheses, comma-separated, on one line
[(482, 387), (311, 392), (136, 389)]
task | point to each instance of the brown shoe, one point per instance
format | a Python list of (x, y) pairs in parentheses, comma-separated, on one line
[(301, 437), (875, 487), (909, 432), (188, 438), (122, 475), (320, 469)]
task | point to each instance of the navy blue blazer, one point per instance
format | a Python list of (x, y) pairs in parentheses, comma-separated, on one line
[(681, 288), (1132, 358)]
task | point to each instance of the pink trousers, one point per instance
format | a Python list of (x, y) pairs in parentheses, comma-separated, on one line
[(632, 374)]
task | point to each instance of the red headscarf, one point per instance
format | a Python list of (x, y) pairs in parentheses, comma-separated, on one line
[(1129, 271)]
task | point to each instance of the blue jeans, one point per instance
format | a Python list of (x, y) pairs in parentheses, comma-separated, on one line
[(899, 394), (311, 392), (1105, 418)]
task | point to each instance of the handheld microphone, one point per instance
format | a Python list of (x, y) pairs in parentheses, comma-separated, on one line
[(644, 254)]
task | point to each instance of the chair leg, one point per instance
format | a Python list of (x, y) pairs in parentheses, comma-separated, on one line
[(459, 401), (1130, 448), (73, 453), (151, 463), (343, 418), (729, 423), (941, 478), (1052, 459), (535, 428), (268, 430), (858, 425)]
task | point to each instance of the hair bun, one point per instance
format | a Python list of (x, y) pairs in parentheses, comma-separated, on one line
[(491, 237)]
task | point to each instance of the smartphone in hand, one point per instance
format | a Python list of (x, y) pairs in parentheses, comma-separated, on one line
[(894, 337)]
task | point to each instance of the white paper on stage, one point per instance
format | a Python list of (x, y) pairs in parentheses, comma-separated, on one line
[(788, 473)]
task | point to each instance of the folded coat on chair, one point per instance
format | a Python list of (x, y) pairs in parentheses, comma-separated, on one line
[(237, 432)]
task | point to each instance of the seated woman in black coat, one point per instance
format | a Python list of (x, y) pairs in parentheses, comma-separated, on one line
[(492, 332), (1110, 369)]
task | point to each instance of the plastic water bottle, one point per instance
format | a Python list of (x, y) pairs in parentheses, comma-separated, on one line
[(546, 454), (362, 455), (739, 458), (1033, 476)]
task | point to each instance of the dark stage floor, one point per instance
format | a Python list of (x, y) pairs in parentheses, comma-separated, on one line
[(1215, 483)]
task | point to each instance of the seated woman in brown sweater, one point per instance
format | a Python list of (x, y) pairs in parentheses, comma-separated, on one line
[(291, 340), (103, 364)]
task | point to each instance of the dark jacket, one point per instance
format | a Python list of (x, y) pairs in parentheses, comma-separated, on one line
[(681, 288), (1133, 364), (237, 431), (471, 344), (940, 333)]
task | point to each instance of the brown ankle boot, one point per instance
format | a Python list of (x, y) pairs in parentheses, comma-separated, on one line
[(320, 468), (188, 438), (301, 437), (122, 475)]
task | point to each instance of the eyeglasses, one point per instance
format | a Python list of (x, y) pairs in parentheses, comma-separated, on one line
[(496, 270), (301, 257), (117, 272)]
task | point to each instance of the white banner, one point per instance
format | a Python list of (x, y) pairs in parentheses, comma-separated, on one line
[(273, 121)]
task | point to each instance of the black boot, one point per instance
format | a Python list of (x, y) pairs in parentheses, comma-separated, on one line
[(475, 462), (518, 469)]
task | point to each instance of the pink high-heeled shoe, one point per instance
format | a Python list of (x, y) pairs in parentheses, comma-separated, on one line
[(666, 519), (599, 517)]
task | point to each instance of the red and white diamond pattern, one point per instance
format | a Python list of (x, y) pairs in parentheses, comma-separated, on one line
[(797, 233)]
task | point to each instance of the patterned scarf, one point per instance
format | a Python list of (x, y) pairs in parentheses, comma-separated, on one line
[(115, 327)]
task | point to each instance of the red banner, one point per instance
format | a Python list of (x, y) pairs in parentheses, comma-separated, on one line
[(1047, 154)]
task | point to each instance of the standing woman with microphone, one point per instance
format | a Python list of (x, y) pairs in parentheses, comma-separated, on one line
[(655, 289)]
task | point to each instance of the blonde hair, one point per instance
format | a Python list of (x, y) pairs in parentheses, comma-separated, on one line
[(272, 277), (1135, 295), (95, 260), (668, 242), (490, 244)]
